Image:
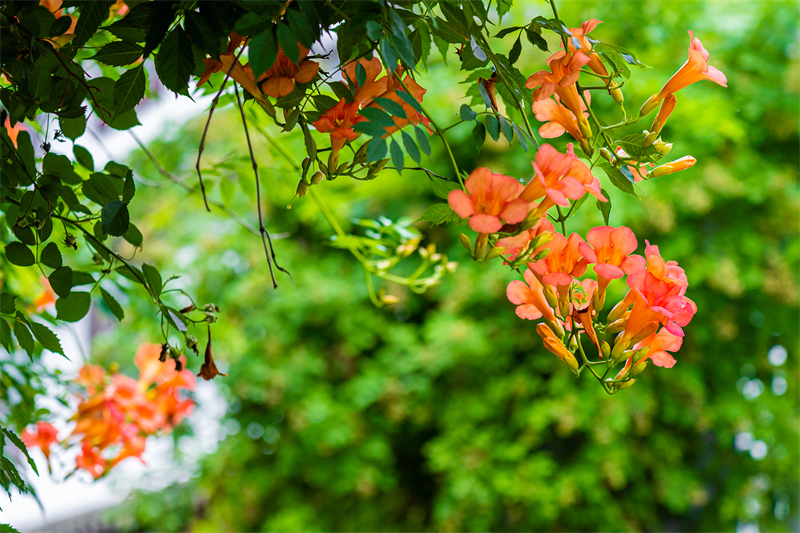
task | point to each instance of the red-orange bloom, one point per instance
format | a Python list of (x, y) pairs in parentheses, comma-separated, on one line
[(610, 249), (560, 79), (91, 461), (14, 132), (339, 121), (558, 119), (43, 438), (674, 166), (371, 87), (530, 300), (695, 69), (667, 106), (559, 177), (284, 73), (563, 263), (242, 74), (491, 197), (415, 90)]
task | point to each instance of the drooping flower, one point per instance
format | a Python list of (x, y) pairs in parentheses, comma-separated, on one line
[(554, 344), (559, 177), (558, 119), (489, 198), (667, 106), (530, 300), (242, 74), (674, 166), (519, 244), (339, 121), (45, 436), (560, 79), (695, 69), (560, 266), (611, 249), (208, 370), (91, 461), (583, 310), (371, 87), (280, 78)]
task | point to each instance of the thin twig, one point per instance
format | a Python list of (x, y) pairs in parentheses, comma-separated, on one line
[(208, 123), (265, 237)]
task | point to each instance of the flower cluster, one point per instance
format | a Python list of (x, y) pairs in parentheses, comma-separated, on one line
[(116, 413)]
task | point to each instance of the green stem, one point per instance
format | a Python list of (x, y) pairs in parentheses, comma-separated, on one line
[(562, 220)]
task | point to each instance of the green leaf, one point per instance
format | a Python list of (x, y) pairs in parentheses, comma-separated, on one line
[(13, 437), (605, 207), (129, 189), (40, 82), (361, 74), (374, 30), (5, 335), (51, 255), (492, 126), (515, 52), (73, 307), (378, 116), (370, 128), (106, 185), (115, 218), (81, 278), (422, 140), (479, 135), (25, 152), (153, 278), (263, 51), (523, 139), (129, 90), (505, 31), (20, 255), (112, 305), (437, 214), (442, 188), (7, 306), (46, 338), (130, 272), (508, 131), (376, 150), (288, 43), (133, 236), (60, 26), (388, 53), (61, 281), (72, 128), (391, 106), (411, 147), (24, 337), (92, 14), (466, 113), (227, 189), (536, 39), (398, 159), (621, 181), (119, 53), (175, 61)]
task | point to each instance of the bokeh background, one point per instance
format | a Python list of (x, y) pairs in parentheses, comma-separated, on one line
[(445, 412)]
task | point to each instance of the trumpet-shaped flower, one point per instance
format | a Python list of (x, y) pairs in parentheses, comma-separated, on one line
[(558, 119), (560, 266), (530, 300), (227, 63), (489, 198), (559, 177), (393, 86), (611, 249), (667, 106), (560, 79), (284, 73), (371, 87), (91, 461), (44, 437), (695, 69), (339, 121), (674, 166), (554, 344)]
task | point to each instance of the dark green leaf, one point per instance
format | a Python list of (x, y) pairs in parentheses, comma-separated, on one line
[(479, 135), (112, 305), (376, 150), (25, 152), (72, 128), (378, 116), (410, 100), (398, 159), (422, 140), (106, 185), (5, 335), (153, 278), (133, 236), (605, 207), (51, 255), (442, 188), (374, 30), (61, 280), (24, 337), (7, 306), (492, 126), (516, 50), (73, 307), (361, 74), (370, 128), (119, 53), (46, 338), (131, 272), (129, 90), (25, 234), (437, 214), (466, 113), (175, 62), (129, 189), (620, 180), (288, 43), (505, 31), (508, 131), (92, 14), (392, 107), (20, 255), (115, 218), (411, 148), (523, 139), (60, 26), (389, 54), (263, 51)]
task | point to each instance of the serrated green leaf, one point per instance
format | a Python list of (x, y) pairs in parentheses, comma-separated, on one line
[(605, 207), (129, 90), (422, 140), (129, 189), (479, 135), (24, 337), (115, 218), (437, 214), (175, 61), (442, 188), (46, 338), (515, 52), (376, 150), (411, 148), (119, 53), (288, 43), (92, 14), (492, 127), (398, 158), (133, 236), (61, 281), (392, 107)]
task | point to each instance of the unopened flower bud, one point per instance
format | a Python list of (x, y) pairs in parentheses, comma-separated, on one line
[(618, 352), (191, 343), (586, 146), (187, 309), (550, 296), (361, 154), (586, 130), (211, 308), (542, 239), (465, 242), (323, 167), (341, 168), (605, 349), (540, 255), (675, 166), (174, 353), (317, 177), (305, 164), (638, 368), (495, 252), (625, 384), (302, 188), (649, 137), (389, 300), (607, 155), (663, 113), (662, 147), (649, 105), (71, 241), (333, 161), (616, 94)]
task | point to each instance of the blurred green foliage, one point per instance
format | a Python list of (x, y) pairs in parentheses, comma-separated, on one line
[(446, 413)]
